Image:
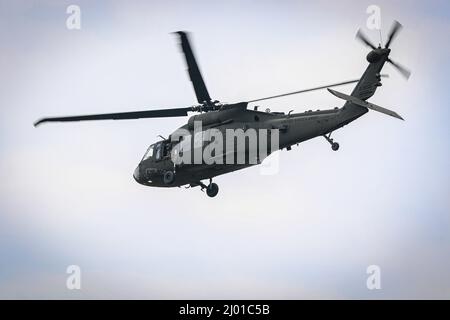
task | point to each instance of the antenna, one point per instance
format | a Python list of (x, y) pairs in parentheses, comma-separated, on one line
[(381, 38)]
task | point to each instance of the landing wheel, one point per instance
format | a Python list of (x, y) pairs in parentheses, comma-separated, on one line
[(335, 146), (169, 177), (212, 190)]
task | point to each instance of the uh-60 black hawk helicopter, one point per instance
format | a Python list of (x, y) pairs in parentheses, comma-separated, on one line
[(157, 167)]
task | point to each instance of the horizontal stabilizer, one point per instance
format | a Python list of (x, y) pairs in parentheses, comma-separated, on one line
[(366, 104)]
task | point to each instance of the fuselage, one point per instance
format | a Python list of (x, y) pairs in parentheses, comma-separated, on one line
[(291, 128)]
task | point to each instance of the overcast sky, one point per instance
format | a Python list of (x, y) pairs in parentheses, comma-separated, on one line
[(67, 196)]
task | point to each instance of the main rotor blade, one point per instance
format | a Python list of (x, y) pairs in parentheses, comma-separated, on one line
[(394, 30), (194, 72), (176, 112), (305, 90), (403, 71), (362, 37)]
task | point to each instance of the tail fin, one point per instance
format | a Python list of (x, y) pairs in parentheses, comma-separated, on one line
[(377, 58), (356, 105), (367, 85), (371, 79)]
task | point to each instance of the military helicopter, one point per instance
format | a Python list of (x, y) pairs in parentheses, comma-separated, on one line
[(158, 168)]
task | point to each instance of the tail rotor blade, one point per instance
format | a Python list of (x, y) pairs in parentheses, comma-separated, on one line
[(362, 37), (396, 27), (403, 71)]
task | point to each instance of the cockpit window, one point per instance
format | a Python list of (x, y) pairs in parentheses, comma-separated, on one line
[(149, 153), (158, 151), (162, 150)]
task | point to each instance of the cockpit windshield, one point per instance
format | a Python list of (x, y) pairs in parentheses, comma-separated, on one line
[(157, 151), (149, 153)]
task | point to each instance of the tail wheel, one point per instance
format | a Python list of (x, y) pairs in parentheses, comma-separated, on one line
[(212, 190), (335, 146), (169, 177)]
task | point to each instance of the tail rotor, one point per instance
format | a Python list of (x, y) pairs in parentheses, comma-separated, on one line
[(396, 27)]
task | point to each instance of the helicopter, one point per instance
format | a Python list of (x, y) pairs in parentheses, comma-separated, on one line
[(160, 165)]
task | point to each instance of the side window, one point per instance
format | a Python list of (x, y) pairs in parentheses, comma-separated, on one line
[(166, 149), (180, 146)]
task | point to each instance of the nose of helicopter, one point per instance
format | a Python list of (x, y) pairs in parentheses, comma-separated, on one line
[(137, 175)]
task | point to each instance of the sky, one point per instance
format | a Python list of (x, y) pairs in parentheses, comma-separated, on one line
[(309, 231)]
